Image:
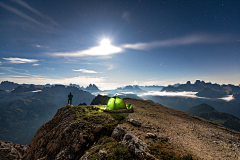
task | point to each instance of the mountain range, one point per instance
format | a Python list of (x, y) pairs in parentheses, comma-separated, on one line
[(208, 90)]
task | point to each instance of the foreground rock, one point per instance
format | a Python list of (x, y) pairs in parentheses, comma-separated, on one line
[(135, 145), (134, 122), (68, 135), (119, 132), (8, 150), (151, 135), (102, 154)]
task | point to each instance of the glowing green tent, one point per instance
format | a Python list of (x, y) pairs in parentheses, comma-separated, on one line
[(116, 103)]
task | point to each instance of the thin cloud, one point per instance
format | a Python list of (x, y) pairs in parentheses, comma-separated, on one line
[(20, 14), (103, 51), (25, 5), (106, 51), (40, 46), (18, 76), (35, 64), (126, 16), (188, 40), (20, 60), (52, 69), (110, 67), (85, 71)]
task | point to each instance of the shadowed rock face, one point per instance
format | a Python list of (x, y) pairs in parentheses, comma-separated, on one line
[(102, 100), (58, 138), (68, 135)]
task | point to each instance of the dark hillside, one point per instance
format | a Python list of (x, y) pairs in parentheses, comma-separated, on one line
[(209, 113), (21, 118)]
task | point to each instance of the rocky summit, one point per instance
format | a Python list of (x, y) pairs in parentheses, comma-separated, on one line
[(152, 131)]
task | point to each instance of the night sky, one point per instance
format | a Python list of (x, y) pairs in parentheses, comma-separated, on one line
[(114, 43)]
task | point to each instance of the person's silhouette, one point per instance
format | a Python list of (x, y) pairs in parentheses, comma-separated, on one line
[(70, 96)]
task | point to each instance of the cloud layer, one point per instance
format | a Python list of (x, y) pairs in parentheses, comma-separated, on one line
[(85, 71), (93, 51), (187, 40), (20, 60)]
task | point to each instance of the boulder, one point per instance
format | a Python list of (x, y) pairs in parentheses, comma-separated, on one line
[(102, 154), (119, 132), (135, 145)]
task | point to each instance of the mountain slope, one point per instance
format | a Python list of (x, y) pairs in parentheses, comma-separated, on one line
[(20, 119), (77, 131), (209, 113)]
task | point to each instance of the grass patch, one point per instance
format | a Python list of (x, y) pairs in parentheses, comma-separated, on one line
[(163, 150), (101, 106), (119, 152), (114, 150), (119, 116)]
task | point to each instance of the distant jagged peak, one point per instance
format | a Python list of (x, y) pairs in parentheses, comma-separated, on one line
[(92, 87), (188, 83), (198, 82), (128, 87), (8, 82), (7, 85), (135, 87)]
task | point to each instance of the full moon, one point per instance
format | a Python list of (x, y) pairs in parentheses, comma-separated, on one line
[(105, 42)]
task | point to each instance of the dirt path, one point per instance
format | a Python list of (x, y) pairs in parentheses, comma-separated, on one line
[(187, 133)]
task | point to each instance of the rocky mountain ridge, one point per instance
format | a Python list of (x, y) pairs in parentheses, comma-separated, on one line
[(205, 89), (151, 132)]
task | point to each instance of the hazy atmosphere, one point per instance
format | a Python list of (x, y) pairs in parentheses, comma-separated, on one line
[(117, 43)]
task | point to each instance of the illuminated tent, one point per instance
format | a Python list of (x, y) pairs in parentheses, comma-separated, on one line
[(116, 103)]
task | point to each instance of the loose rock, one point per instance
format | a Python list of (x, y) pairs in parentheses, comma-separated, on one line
[(134, 144), (119, 132), (85, 156), (151, 135), (97, 129), (134, 122), (102, 154)]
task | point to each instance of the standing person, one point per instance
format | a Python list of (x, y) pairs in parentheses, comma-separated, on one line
[(70, 96)]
